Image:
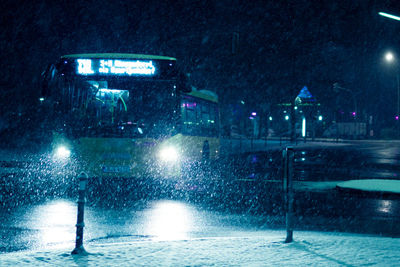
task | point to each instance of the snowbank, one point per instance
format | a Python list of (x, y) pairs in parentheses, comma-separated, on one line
[(372, 185), (259, 248)]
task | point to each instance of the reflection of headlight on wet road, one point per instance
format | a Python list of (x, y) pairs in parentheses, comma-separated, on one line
[(168, 154), (62, 152)]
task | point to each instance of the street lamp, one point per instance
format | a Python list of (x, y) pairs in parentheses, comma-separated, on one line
[(390, 16), (389, 57)]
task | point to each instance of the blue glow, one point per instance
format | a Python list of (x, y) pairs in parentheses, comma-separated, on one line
[(115, 66), (127, 67), (270, 118), (111, 91), (320, 117), (254, 114), (85, 66), (303, 128), (305, 95), (287, 117), (389, 16)]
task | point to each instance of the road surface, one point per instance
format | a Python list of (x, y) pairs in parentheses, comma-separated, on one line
[(39, 212)]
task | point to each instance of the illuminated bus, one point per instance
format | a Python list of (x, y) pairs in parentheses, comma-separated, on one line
[(128, 115)]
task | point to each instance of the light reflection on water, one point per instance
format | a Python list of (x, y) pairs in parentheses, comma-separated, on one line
[(53, 223), (168, 220), (56, 221), (385, 206)]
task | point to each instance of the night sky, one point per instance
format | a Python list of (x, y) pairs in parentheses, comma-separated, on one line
[(279, 47)]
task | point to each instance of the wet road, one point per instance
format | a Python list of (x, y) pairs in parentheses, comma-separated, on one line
[(248, 196), (52, 223)]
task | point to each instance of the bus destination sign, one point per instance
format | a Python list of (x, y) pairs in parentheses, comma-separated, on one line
[(115, 67)]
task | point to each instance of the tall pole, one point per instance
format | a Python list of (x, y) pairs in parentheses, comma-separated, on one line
[(398, 93), (79, 249), (398, 104), (394, 17)]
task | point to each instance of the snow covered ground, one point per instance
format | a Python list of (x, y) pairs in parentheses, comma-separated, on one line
[(254, 248)]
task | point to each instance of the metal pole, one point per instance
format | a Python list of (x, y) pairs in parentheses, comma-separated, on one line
[(288, 154), (79, 249), (398, 104), (398, 94)]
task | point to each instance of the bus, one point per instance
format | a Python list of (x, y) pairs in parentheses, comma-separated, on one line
[(128, 115)]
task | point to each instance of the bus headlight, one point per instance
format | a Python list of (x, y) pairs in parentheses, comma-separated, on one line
[(168, 154), (62, 152)]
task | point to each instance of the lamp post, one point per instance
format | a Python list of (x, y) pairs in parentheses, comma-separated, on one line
[(390, 58)]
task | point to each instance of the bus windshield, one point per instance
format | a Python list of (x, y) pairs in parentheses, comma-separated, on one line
[(126, 106)]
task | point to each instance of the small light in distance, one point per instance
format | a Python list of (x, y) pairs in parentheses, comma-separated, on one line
[(397, 117), (389, 57), (270, 118), (320, 117), (287, 117)]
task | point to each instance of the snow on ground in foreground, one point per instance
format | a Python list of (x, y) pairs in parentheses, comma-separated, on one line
[(260, 248), (372, 185)]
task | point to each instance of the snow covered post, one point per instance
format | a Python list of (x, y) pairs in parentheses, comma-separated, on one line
[(288, 158), (79, 249)]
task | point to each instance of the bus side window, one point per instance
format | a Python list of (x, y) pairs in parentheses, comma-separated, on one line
[(189, 116), (205, 120)]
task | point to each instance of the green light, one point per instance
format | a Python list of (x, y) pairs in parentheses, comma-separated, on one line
[(389, 16)]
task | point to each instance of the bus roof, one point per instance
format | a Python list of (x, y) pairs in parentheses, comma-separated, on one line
[(118, 56), (204, 94)]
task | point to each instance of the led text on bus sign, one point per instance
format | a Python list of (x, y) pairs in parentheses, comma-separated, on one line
[(115, 66)]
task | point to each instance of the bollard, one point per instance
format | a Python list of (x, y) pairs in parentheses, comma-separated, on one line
[(288, 158), (79, 249)]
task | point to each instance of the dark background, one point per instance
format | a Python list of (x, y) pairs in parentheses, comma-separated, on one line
[(262, 52)]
